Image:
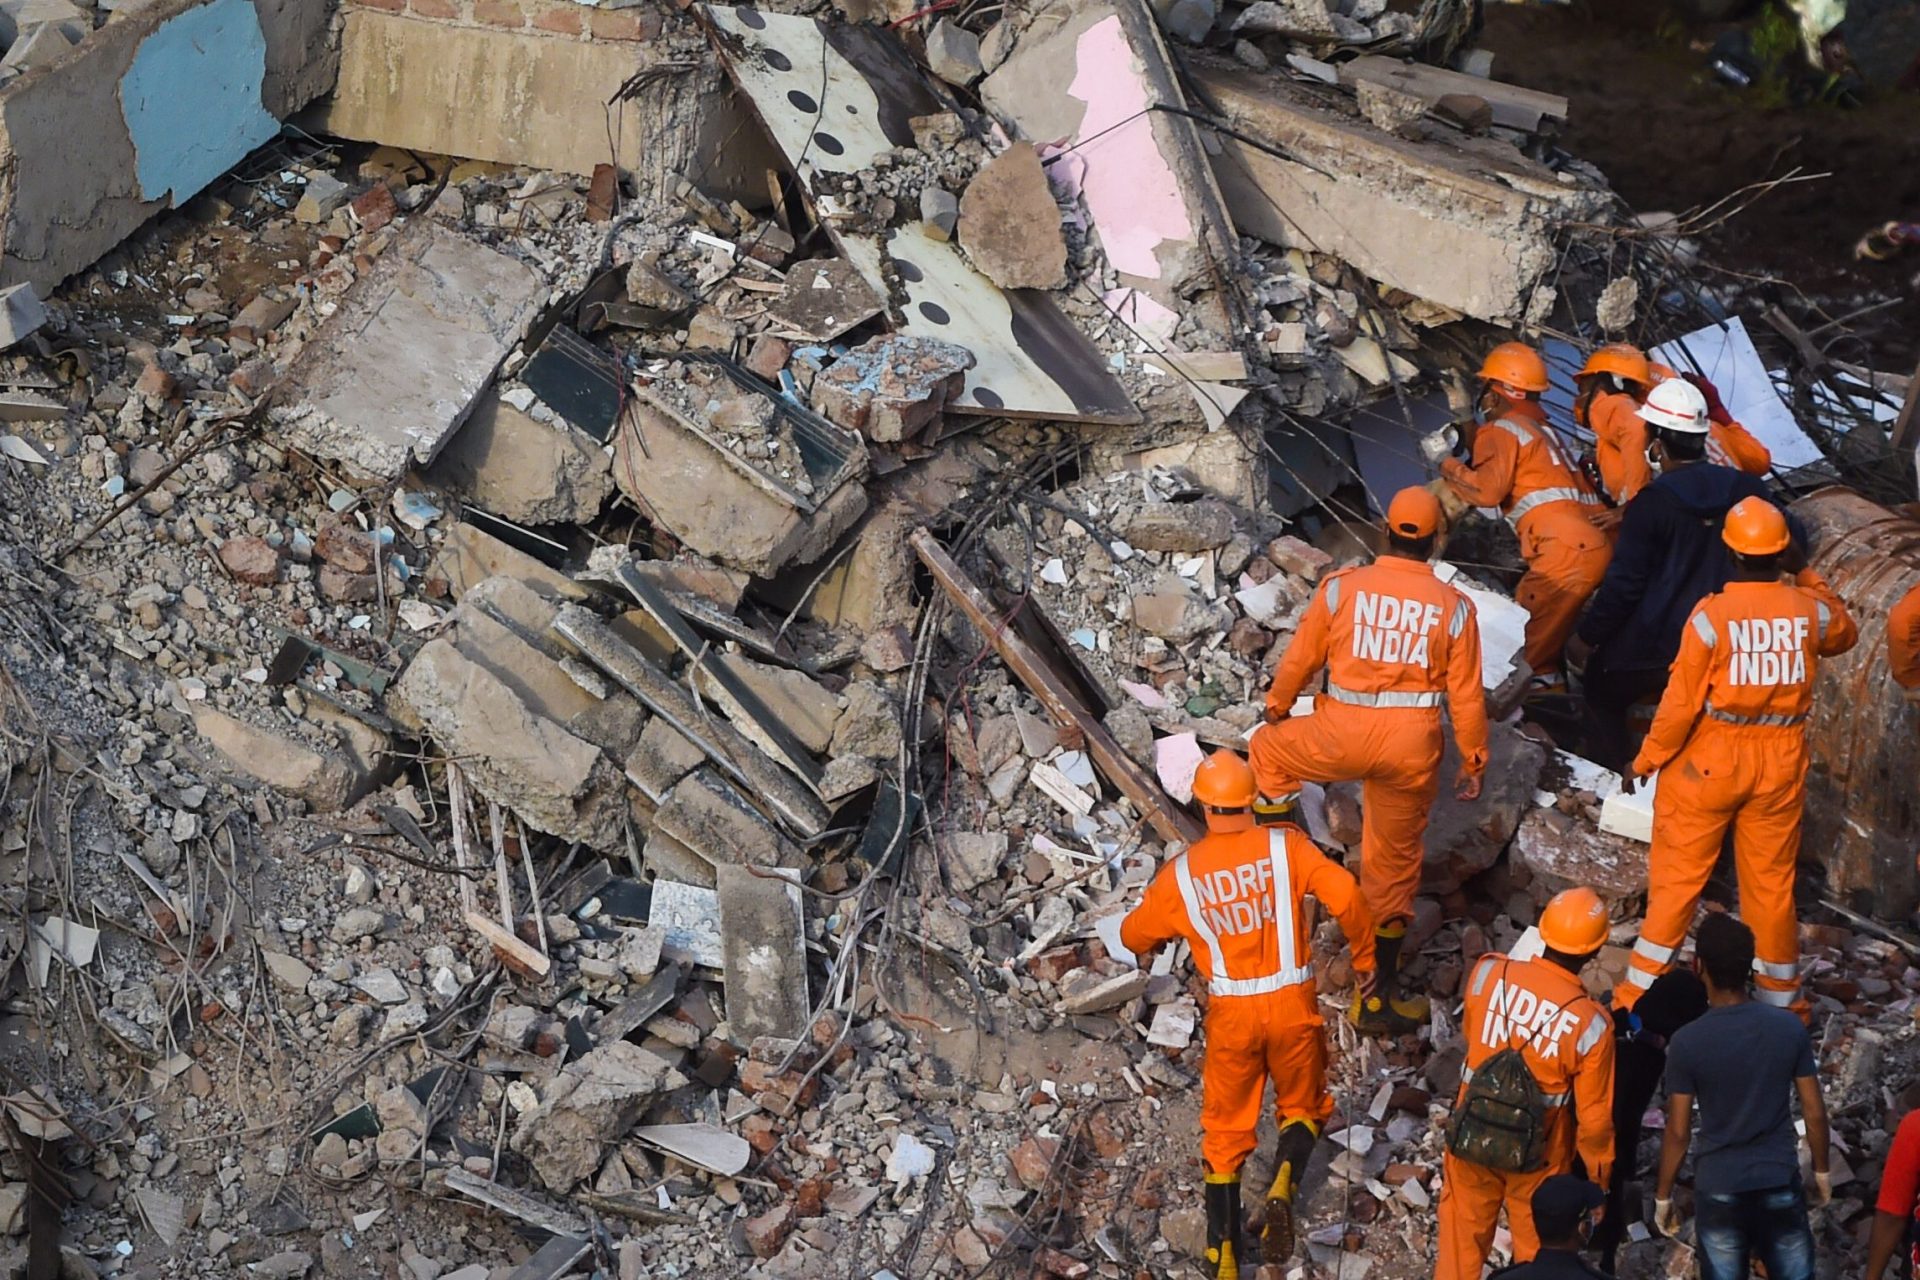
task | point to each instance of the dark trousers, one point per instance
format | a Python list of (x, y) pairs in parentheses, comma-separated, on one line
[(1610, 691), (1771, 1225)]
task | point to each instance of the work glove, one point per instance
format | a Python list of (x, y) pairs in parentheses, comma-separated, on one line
[(1716, 408), (1666, 1218), (1822, 1189), (1439, 445), (1467, 786)]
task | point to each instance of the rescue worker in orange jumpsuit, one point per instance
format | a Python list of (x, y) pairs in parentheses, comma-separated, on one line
[(1540, 1008), (1609, 390), (1730, 744), (1519, 466), (1396, 642), (1238, 898)]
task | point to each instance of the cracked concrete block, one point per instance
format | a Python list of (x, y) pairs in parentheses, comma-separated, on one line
[(1563, 852), (554, 780), (805, 707), (1465, 838), (327, 781), (509, 464), (595, 1099), (1009, 224), (707, 815), (762, 932), (18, 18), (392, 374), (660, 759), (21, 311)]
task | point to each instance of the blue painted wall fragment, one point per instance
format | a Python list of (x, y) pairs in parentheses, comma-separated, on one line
[(191, 99)]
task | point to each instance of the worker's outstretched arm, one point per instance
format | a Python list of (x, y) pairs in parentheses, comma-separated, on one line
[(1743, 450), (1673, 1143), (1685, 697), (1644, 539), (1466, 696), (1159, 916), (1813, 1110), (1903, 640), (1490, 479), (1838, 632), (1305, 654), (1593, 1095), (1335, 886)]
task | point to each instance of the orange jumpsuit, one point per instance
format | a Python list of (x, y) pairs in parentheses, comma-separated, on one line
[(1730, 742), (1728, 443), (1619, 444), (1903, 640), (1567, 1040), (1518, 466), (1263, 1013), (1396, 641)]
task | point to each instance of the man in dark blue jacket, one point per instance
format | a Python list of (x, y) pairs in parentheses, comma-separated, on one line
[(1668, 555)]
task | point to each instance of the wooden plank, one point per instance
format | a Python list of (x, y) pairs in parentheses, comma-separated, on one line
[(1513, 106), (1172, 822), (1202, 366), (516, 1204), (507, 945)]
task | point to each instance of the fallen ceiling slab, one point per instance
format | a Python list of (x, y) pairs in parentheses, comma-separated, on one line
[(395, 371), (834, 98)]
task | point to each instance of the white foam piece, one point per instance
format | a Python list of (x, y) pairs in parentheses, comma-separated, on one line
[(1630, 815)]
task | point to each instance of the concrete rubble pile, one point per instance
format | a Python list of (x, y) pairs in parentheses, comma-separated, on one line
[(556, 722)]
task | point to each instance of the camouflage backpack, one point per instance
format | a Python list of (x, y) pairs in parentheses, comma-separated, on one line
[(1501, 1120)]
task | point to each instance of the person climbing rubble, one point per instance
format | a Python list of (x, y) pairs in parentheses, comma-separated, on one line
[(1537, 1089), (1518, 465), (1730, 743), (1396, 642), (1668, 556), (1238, 898)]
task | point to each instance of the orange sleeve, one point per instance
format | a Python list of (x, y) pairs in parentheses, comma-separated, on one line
[(1466, 697), (1686, 695), (1743, 449), (1593, 1100), (1840, 634), (1620, 447), (1306, 653), (1159, 916), (1490, 479), (1335, 886), (1903, 640)]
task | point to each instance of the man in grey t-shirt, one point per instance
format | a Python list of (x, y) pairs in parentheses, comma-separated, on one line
[(1742, 1062)]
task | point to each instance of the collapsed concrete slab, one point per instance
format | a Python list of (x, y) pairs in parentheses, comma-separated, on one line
[(394, 372), (764, 937), (506, 462), (513, 84), (1465, 222), (592, 1101), (707, 815), (1465, 838), (1564, 853), (140, 117)]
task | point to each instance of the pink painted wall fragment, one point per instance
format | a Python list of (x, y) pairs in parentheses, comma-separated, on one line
[(1131, 192)]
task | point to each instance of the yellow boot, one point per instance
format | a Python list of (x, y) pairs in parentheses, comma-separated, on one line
[(1223, 1226), (1277, 1236), (1387, 1011)]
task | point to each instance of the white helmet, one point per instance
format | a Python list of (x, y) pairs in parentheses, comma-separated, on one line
[(1676, 405)]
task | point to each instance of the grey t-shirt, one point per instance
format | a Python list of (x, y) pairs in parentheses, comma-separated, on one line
[(1739, 1062)]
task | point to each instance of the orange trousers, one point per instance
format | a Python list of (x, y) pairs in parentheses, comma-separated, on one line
[(1749, 778), (1249, 1040), (1471, 1197), (1396, 751), (1566, 558)]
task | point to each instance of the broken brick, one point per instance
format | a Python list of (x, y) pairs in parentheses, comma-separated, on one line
[(766, 1233), (375, 207), (1298, 558), (1032, 1161), (251, 560)]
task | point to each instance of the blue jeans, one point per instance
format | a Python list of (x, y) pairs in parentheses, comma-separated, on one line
[(1770, 1225)]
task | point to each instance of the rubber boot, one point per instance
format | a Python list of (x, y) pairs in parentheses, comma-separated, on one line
[(1271, 813), (1223, 1226), (1277, 1235), (1389, 1011)]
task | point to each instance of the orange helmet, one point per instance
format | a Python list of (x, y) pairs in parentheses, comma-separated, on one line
[(1575, 922), (1515, 365), (1622, 358), (1224, 781), (1755, 527), (1414, 513)]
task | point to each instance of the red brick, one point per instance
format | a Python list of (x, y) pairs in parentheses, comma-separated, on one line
[(439, 10), (391, 6), (623, 24), (561, 19), (375, 208), (499, 13), (1032, 1161)]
